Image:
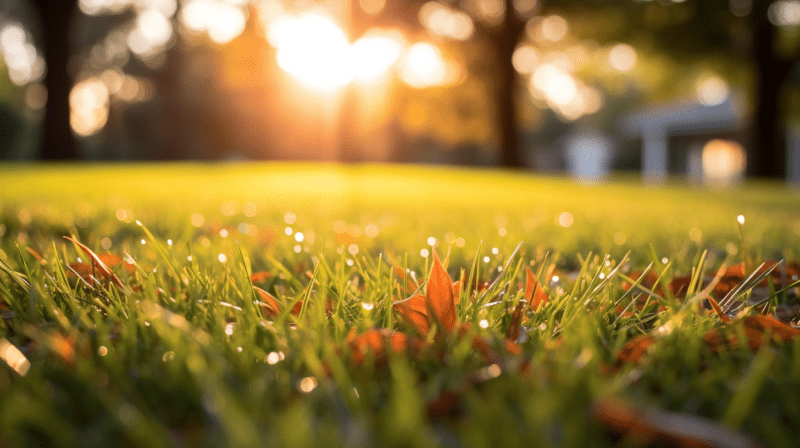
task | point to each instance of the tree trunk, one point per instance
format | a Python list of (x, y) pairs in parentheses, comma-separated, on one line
[(504, 40), (767, 151), (58, 141)]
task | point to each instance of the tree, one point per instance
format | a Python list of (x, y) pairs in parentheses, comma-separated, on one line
[(738, 36), (690, 32), (58, 142)]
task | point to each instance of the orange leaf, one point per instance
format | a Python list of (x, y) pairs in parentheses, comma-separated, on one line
[(654, 426), (534, 293), (269, 305), (635, 349), (516, 320), (375, 343), (439, 297), (258, 277), (97, 263), (36, 255), (762, 324), (415, 313), (722, 316)]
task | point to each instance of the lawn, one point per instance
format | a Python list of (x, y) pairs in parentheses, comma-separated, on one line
[(321, 305)]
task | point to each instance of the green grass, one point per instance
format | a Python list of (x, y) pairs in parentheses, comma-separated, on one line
[(153, 363)]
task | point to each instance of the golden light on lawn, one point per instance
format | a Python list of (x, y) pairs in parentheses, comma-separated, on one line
[(724, 162), (89, 103)]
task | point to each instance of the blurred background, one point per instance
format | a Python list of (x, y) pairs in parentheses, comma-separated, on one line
[(708, 90)]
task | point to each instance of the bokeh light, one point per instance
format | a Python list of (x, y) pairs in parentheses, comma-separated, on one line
[(223, 21), (622, 57), (423, 66), (314, 49), (375, 53), (444, 21), (711, 90), (24, 64), (89, 103), (724, 162)]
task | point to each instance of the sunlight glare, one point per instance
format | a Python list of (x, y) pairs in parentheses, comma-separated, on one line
[(423, 66), (314, 50), (223, 21), (375, 53)]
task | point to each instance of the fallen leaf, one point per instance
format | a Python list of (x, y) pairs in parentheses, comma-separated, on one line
[(439, 297), (376, 343), (635, 349), (270, 306), (645, 427)]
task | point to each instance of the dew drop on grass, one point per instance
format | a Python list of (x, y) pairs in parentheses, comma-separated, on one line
[(229, 328), (565, 219), (367, 305), (102, 351), (740, 218), (143, 241), (486, 259), (495, 250), (189, 258), (273, 358), (665, 260), (168, 356), (239, 349), (299, 237), (307, 384), (138, 223), (197, 220), (222, 258), (169, 242), (602, 276), (484, 323)]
